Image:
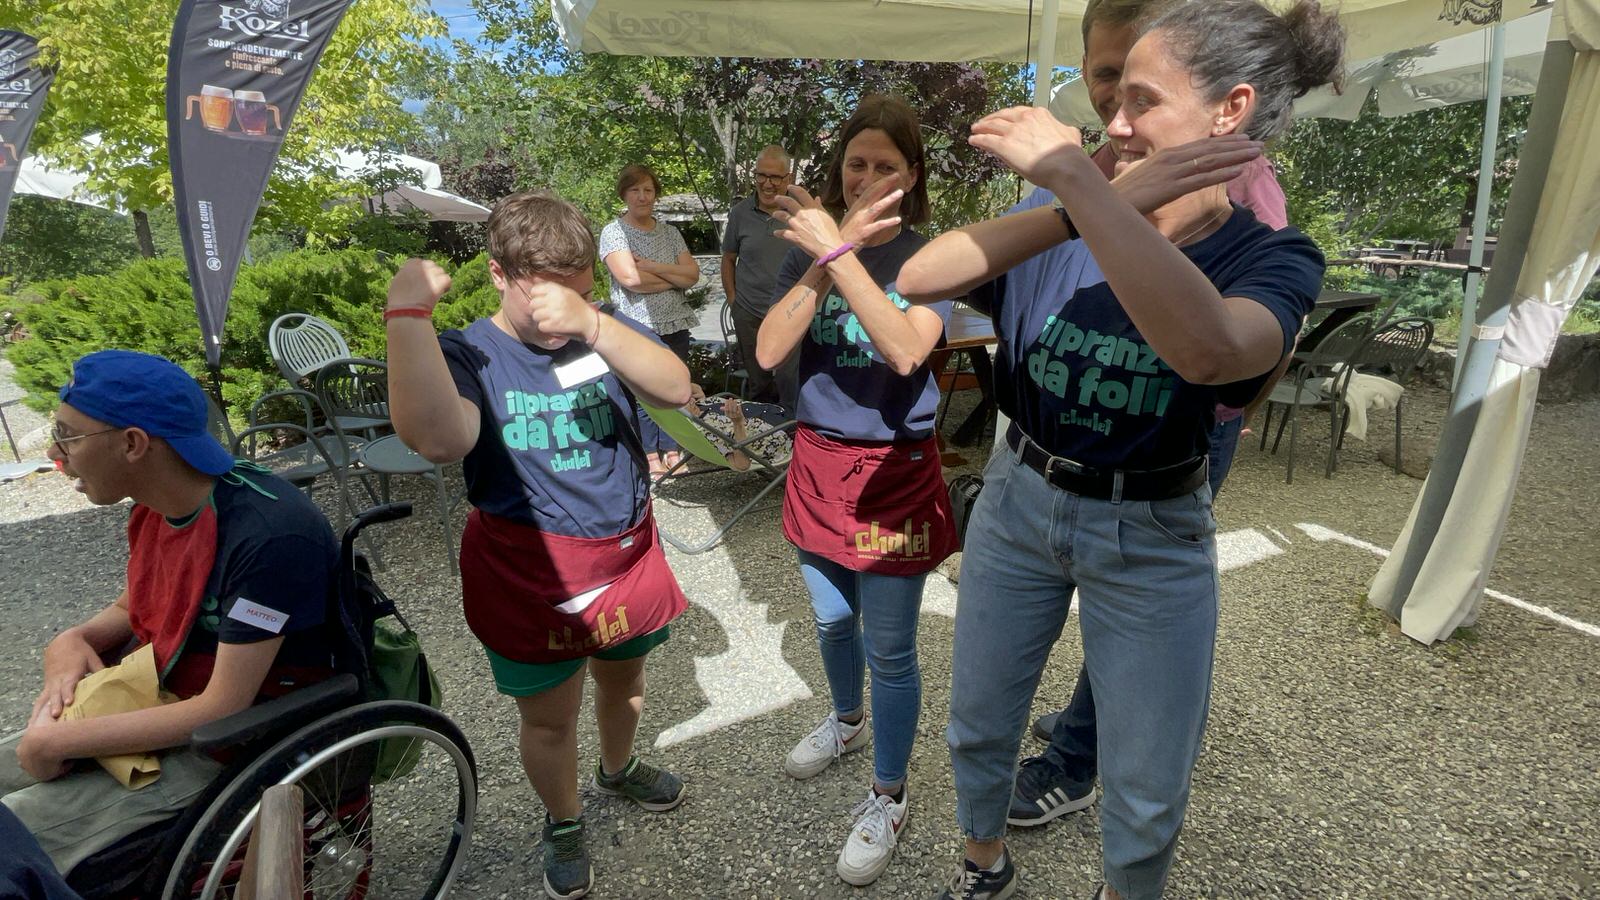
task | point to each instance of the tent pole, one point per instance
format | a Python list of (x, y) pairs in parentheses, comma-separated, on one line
[(1046, 55), (1480, 215), (1466, 402)]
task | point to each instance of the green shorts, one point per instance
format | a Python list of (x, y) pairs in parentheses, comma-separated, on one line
[(520, 679)]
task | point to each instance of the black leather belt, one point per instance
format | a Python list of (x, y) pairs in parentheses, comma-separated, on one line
[(1108, 484)]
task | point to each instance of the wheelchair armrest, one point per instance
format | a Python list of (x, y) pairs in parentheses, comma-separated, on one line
[(267, 719)]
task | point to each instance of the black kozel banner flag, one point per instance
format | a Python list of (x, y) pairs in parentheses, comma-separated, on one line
[(22, 88), (236, 70)]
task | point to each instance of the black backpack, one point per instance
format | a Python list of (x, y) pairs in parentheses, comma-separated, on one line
[(963, 496)]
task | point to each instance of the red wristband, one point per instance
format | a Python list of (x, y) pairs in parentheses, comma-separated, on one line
[(407, 312)]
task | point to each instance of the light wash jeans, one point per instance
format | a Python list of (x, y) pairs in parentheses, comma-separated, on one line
[(1146, 576), (872, 618)]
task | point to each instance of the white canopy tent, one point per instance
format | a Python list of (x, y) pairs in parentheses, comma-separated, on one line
[(1454, 70), (421, 192), (1549, 249), (37, 178), (929, 30)]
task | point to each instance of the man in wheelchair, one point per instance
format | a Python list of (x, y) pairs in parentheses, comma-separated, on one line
[(228, 579)]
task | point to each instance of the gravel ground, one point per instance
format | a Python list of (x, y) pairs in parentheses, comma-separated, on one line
[(1342, 760)]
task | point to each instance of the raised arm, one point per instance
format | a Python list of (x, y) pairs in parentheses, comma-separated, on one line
[(786, 322), (958, 261), (1206, 338), (904, 337), (650, 370), (428, 414)]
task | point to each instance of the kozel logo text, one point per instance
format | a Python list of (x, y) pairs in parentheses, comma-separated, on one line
[(256, 25)]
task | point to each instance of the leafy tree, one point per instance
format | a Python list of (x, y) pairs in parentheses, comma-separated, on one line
[(699, 122), (1412, 176), (111, 61), (57, 239)]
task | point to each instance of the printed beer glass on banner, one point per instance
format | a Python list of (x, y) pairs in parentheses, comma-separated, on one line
[(216, 107), (252, 107)]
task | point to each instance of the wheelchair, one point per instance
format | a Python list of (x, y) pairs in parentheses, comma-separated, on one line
[(372, 828)]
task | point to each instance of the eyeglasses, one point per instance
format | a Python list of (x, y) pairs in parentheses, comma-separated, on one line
[(762, 176), (62, 440)]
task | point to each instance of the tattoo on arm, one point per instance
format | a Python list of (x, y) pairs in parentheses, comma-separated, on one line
[(799, 302)]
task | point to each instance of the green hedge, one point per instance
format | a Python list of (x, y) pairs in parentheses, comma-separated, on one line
[(148, 306)]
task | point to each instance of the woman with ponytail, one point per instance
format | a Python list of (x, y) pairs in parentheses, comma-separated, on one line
[(1126, 311)]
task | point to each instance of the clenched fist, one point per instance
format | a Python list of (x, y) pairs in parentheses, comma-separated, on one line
[(418, 285)]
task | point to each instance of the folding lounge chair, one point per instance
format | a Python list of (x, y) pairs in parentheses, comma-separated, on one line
[(694, 437)]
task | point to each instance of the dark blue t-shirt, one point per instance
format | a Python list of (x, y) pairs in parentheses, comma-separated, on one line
[(275, 554), (848, 391), (551, 456), (1074, 372)]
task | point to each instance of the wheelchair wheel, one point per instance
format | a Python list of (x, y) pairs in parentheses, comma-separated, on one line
[(404, 836)]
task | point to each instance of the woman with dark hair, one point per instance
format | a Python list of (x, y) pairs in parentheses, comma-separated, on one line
[(1125, 314), (864, 503)]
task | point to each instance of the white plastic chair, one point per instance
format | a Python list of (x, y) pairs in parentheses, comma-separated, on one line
[(301, 344)]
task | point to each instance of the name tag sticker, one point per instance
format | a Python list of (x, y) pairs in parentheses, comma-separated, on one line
[(263, 617), (585, 368)]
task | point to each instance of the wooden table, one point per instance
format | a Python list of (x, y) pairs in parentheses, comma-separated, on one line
[(1341, 306), (970, 332)]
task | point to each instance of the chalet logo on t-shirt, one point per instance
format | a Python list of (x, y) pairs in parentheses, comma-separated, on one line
[(564, 421), (1130, 379)]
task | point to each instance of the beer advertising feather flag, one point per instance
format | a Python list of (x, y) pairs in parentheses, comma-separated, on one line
[(23, 84), (236, 70)]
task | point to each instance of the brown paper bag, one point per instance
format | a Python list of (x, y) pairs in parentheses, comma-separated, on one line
[(126, 687)]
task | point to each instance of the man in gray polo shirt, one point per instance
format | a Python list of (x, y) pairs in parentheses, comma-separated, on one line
[(751, 254)]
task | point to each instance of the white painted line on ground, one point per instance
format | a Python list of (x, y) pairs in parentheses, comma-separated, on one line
[(1246, 546), (1322, 533), (1235, 549), (750, 678)]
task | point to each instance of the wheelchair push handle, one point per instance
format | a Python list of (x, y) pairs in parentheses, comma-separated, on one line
[(377, 515)]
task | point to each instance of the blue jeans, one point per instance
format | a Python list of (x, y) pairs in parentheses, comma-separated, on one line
[(1224, 444), (862, 617), (1072, 742), (1146, 577)]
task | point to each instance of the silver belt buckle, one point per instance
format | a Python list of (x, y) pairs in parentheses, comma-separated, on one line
[(1061, 462)]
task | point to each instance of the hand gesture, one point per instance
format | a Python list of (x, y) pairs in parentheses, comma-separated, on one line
[(1168, 174), (734, 410), (813, 230), (418, 285), (1028, 139), (559, 312), (696, 392), (66, 660)]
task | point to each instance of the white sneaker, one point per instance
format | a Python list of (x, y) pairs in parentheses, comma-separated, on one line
[(866, 852), (826, 743)]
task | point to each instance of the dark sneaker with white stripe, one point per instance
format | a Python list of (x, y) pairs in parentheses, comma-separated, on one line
[(654, 789), (973, 883), (1044, 793), (567, 873)]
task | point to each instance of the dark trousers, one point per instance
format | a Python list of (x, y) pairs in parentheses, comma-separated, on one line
[(1072, 742), (780, 385)]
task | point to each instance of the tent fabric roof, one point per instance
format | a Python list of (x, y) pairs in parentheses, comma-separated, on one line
[(934, 30)]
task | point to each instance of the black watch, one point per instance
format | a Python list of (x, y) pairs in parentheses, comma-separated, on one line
[(1072, 233)]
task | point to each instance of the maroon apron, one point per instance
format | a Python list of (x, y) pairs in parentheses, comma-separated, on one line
[(536, 597), (870, 507)]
